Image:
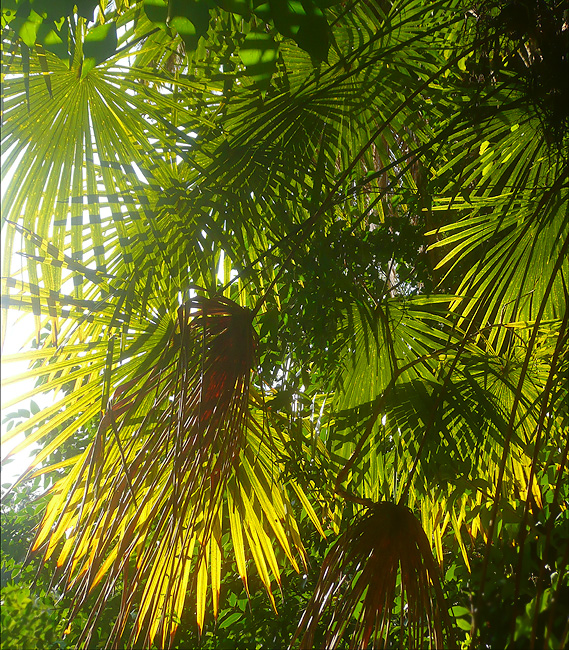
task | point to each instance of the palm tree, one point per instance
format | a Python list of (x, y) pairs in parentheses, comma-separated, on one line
[(290, 259)]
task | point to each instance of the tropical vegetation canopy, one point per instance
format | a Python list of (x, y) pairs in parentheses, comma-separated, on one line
[(299, 271)]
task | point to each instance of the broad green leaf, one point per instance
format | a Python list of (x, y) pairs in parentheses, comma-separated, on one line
[(259, 54), (100, 44)]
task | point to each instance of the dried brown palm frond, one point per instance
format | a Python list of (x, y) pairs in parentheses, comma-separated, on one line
[(199, 387), (177, 454), (359, 580)]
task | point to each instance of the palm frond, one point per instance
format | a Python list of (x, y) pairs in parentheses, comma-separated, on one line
[(144, 503), (384, 552)]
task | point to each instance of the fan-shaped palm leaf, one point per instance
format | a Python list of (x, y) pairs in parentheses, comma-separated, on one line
[(155, 171)]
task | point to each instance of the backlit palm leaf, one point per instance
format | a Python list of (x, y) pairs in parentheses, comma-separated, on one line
[(164, 169), (86, 182)]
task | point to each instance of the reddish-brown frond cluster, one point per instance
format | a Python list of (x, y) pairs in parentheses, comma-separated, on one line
[(358, 581), (200, 381), (229, 352)]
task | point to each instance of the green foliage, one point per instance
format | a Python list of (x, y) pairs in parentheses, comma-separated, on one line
[(29, 620), (31, 616)]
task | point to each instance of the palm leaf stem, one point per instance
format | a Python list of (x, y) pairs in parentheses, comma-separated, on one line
[(433, 414), (384, 316), (555, 600), (549, 528), (123, 459), (346, 12), (558, 483), (130, 44), (561, 259)]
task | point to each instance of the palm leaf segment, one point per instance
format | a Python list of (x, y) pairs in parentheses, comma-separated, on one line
[(145, 502), (87, 182), (439, 397)]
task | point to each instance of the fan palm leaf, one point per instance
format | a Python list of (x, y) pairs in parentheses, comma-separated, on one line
[(171, 164)]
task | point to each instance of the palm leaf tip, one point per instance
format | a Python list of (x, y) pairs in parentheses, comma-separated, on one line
[(358, 584)]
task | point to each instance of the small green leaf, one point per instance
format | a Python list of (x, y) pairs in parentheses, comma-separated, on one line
[(240, 7), (190, 19), (157, 12), (55, 9), (229, 620), (187, 31), (313, 35), (86, 8), (55, 41), (462, 624), (288, 15), (302, 21), (8, 12), (29, 29)]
